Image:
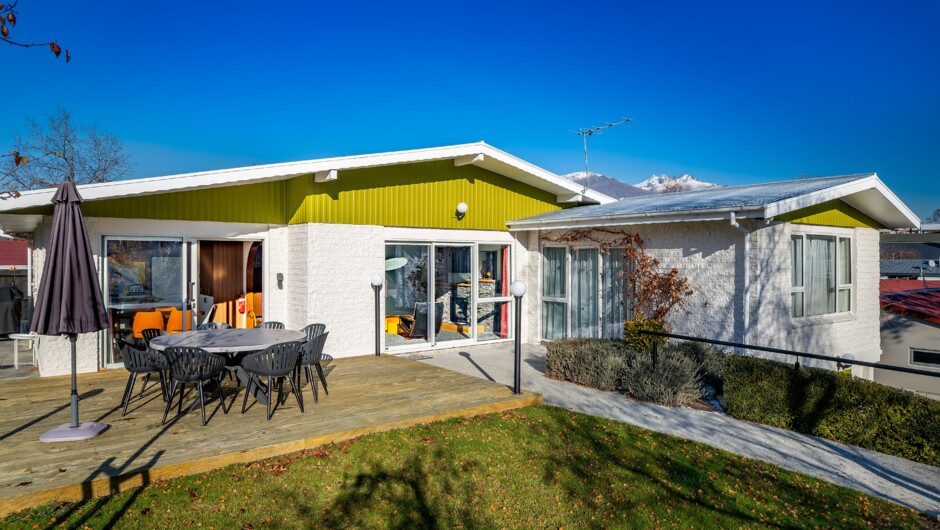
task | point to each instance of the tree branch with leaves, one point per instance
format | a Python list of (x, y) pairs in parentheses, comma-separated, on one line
[(8, 20)]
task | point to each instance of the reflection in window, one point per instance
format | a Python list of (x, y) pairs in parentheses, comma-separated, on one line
[(406, 294), (144, 286)]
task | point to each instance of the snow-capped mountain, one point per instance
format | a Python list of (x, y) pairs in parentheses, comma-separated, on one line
[(607, 185), (667, 184)]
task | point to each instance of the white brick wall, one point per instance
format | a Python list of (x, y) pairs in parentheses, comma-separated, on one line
[(341, 262), (711, 255)]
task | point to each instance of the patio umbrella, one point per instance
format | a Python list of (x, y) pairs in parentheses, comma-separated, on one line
[(69, 301)]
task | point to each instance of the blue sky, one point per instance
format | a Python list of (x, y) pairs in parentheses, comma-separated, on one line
[(731, 93)]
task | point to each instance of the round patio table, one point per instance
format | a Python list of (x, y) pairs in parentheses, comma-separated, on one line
[(230, 343)]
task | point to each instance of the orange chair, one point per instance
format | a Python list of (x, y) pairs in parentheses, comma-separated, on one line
[(257, 305), (146, 320), (175, 324)]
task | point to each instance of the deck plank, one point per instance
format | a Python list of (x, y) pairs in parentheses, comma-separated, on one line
[(367, 394)]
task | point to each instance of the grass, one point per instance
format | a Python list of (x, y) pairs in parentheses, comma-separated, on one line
[(538, 467)]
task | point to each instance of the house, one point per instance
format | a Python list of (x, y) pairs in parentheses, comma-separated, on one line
[(792, 265), (909, 256), (910, 337), (449, 228), (299, 242)]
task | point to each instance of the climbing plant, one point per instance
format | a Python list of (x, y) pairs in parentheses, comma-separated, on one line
[(651, 291)]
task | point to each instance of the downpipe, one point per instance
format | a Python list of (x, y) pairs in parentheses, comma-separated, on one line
[(747, 277)]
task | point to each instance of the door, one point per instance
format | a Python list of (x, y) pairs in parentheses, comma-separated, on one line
[(493, 305), (144, 288), (453, 294), (407, 294)]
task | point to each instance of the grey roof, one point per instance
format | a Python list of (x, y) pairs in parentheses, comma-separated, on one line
[(906, 267), (748, 196)]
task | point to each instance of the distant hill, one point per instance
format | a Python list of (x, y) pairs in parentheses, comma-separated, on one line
[(607, 185), (664, 183)]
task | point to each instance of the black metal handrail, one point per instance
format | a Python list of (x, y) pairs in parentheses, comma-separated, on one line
[(838, 360)]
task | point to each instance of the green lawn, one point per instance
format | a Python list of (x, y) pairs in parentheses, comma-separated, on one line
[(538, 467)]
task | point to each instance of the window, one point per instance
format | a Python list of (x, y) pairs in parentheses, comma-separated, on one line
[(584, 292), (821, 277), (554, 293), (925, 357)]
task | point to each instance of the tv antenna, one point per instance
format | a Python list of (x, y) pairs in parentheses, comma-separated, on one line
[(587, 133)]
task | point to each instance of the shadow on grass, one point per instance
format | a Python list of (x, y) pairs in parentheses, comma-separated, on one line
[(425, 491)]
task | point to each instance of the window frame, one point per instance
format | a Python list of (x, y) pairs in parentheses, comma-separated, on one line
[(837, 261), (912, 362)]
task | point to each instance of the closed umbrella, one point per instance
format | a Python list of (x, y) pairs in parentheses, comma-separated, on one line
[(69, 301)]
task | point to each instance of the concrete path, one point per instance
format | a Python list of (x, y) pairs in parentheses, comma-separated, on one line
[(907, 483)]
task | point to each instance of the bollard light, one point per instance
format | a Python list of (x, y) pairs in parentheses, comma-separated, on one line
[(517, 289), (377, 281)]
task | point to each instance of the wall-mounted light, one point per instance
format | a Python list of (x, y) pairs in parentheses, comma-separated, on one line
[(280, 280), (461, 210)]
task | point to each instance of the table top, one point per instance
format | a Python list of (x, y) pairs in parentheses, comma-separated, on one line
[(227, 340)]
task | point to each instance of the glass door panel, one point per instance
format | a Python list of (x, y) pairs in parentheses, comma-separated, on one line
[(493, 298), (144, 288), (584, 276), (453, 293), (407, 308)]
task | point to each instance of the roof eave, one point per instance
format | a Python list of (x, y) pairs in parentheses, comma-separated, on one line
[(700, 215), (892, 213)]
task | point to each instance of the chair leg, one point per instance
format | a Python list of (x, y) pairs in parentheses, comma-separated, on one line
[(202, 402), (169, 402), (295, 388), (163, 385), (218, 386), (182, 388), (144, 385), (313, 382), (128, 389), (270, 395), (322, 379), (251, 380)]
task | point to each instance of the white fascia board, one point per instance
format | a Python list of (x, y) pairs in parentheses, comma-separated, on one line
[(687, 216), (902, 216), (478, 153)]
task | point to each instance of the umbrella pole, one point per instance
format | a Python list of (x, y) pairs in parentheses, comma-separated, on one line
[(74, 397)]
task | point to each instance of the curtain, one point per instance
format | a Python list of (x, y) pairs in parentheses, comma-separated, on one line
[(584, 290), (614, 310), (554, 314), (820, 275)]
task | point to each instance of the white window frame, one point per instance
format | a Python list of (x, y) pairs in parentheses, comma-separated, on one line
[(912, 362), (840, 287), (556, 299)]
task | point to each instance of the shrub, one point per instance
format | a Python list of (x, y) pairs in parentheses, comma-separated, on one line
[(637, 341), (595, 363), (834, 405), (710, 361), (673, 380)]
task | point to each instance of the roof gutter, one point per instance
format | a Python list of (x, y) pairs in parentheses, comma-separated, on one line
[(747, 276)]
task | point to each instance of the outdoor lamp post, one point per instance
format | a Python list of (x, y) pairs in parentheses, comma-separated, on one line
[(377, 281), (517, 289)]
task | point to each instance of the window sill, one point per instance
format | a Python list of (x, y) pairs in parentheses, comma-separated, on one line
[(816, 320)]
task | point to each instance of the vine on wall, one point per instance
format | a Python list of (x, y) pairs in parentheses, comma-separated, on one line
[(651, 292)]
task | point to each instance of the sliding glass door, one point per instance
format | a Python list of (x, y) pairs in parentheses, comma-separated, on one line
[(584, 292), (144, 288), (453, 293), (494, 301), (407, 308)]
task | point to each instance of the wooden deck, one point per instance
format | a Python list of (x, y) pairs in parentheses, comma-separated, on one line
[(367, 394)]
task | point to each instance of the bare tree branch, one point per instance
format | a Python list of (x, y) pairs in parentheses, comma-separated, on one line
[(8, 20), (58, 150)]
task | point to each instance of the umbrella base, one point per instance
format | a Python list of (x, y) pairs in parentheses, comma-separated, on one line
[(67, 433)]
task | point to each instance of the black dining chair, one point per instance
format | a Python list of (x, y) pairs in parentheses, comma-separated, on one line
[(213, 325), (138, 362), (151, 333), (276, 363), (270, 325), (311, 358), (194, 366)]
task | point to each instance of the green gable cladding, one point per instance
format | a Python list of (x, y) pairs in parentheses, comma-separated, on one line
[(421, 195), (831, 213)]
